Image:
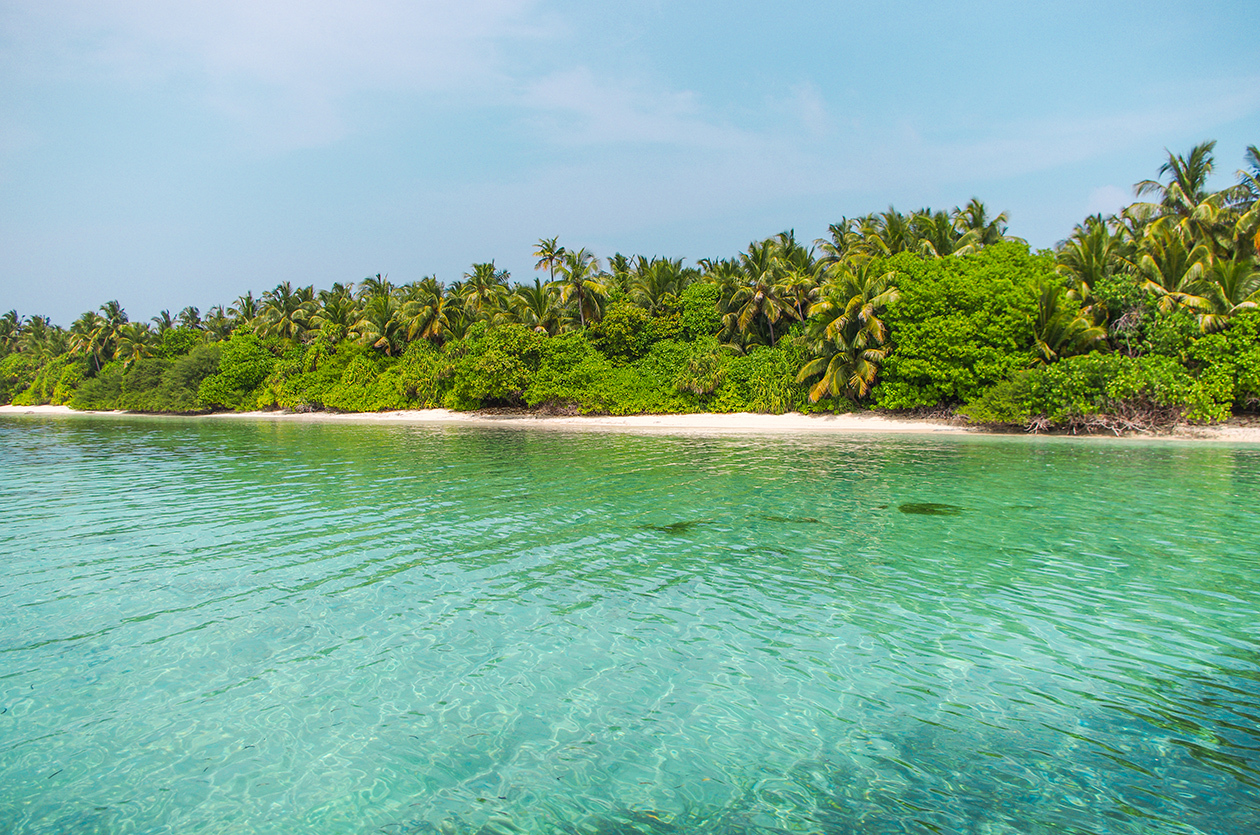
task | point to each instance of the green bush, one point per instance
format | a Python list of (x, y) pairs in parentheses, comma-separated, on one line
[(1229, 361), (493, 366), (763, 380), (700, 317), (51, 382), (961, 324), (244, 364), (101, 391), (624, 334), (17, 372), (1101, 390), (178, 342), (140, 385), (422, 374)]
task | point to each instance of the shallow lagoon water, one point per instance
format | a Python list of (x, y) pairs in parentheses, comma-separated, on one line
[(255, 627)]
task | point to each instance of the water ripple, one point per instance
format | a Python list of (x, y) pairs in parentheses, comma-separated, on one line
[(213, 627)]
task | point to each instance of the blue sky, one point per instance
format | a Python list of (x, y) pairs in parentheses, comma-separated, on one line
[(166, 154)]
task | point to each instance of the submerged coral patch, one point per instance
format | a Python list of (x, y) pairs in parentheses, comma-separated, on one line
[(930, 509)]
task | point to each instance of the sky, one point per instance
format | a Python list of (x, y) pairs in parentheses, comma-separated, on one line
[(171, 154)]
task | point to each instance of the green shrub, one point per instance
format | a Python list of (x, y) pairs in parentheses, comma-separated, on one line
[(624, 334), (178, 342), (493, 366), (50, 382), (140, 385), (1110, 391), (700, 317), (763, 380), (960, 325), (101, 391), (244, 364), (1229, 361), (17, 372)]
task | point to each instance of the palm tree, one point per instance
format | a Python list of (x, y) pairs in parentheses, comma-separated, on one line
[(938, 234), (484, 289), (847, 337), (758, 299), (1060, 330), (379, 325), (1187, 186), (135, 342), (35, 338), (978, 229), (1171, 265), (655, 282), (163, 322), (217, 323), (88, 336), (549, 255), (427, 310), (10, 327), (618, 277), (245, 309), (1094, 253), (190, 317), (284, 311), (336, 312), (580, 284), (536, 307), (374, 286), (1226, 288)]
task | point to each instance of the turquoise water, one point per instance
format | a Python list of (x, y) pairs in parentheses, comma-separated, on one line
[(240, 627)]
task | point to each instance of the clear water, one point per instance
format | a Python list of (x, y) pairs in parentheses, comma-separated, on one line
[(229, 627)]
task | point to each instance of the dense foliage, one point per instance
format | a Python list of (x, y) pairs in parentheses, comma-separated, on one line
[(1141, 319)]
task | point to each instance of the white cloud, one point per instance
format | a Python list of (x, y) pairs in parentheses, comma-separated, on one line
[(289, 66), (574, 107)]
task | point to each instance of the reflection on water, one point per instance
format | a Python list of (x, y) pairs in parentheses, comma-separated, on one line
[(279, 628)]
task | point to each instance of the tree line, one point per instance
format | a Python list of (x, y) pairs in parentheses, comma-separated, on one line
[(1144, 317)]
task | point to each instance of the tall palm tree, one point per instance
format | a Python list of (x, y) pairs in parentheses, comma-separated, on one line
[(190, 317), (484, 289), (549, 255), (163, 322), (580, 284), (135, 342), (847, 338), (1187, 185), (379, 325), (536, 307), (284, 312)]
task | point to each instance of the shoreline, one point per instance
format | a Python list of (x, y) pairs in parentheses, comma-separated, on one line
[(703, 423)]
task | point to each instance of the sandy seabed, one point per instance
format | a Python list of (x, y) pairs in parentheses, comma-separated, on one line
[(740, 423)]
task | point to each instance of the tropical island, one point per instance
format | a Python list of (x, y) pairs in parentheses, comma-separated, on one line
[(1141, 320)]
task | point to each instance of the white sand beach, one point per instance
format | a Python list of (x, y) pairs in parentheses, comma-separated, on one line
[(743, 422)]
